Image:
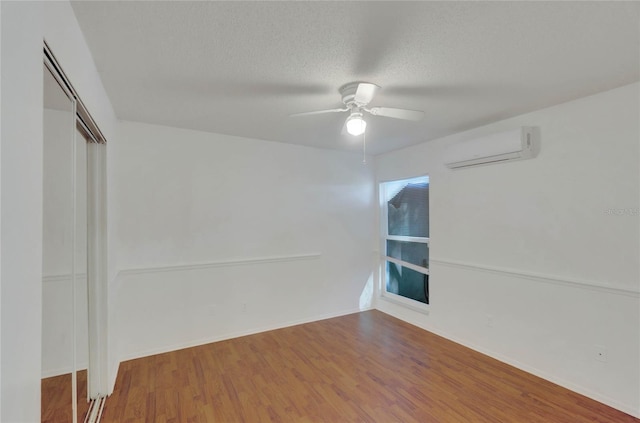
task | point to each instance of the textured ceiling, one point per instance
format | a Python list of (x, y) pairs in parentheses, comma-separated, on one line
[(241, 68)]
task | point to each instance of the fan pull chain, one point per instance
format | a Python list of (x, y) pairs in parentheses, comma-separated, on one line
[(364, 148)]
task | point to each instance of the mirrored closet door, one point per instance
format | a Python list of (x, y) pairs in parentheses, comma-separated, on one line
[(64, 253), (74, 233)]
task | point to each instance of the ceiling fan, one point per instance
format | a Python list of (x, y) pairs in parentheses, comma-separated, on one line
[(356, 96)]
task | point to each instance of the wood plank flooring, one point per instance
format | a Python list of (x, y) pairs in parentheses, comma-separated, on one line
[(364, 367), (56, 398)]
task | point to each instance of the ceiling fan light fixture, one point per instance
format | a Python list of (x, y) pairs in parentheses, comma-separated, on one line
[(356, 125)]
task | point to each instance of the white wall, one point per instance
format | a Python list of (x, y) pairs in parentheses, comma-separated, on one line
[(23, 26), (533, 244), (21, 167), (0, 212), (220, 236)]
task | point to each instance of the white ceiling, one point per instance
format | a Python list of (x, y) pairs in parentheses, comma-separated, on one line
[(241, 68)]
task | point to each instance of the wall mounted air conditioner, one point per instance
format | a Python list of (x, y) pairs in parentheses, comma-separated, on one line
[(521, 143)]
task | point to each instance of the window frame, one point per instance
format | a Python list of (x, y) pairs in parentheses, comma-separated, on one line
[(384, 237)]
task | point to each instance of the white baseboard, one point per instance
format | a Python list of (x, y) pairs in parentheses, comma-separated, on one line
[(61, 370), (530, 369), (113, 378), (203, 341), (547, 376)]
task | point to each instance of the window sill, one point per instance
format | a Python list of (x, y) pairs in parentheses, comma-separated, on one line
[(408, 304)]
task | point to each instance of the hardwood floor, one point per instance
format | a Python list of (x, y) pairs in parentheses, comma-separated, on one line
[(364, 367), (56, 398)]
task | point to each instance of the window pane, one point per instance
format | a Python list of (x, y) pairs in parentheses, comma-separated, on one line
[(408, 211), (413, 252), (407, 283)]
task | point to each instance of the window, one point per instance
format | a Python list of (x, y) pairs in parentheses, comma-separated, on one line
[(405, 239)]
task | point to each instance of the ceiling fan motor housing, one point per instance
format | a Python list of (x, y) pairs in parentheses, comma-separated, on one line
[(348, 92)]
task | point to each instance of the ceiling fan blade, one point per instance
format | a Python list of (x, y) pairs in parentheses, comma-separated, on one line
[(365, 93), (318, 112), (396, 113)]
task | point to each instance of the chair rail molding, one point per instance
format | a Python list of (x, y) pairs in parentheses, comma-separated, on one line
[(221, 263), (539, 277)]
